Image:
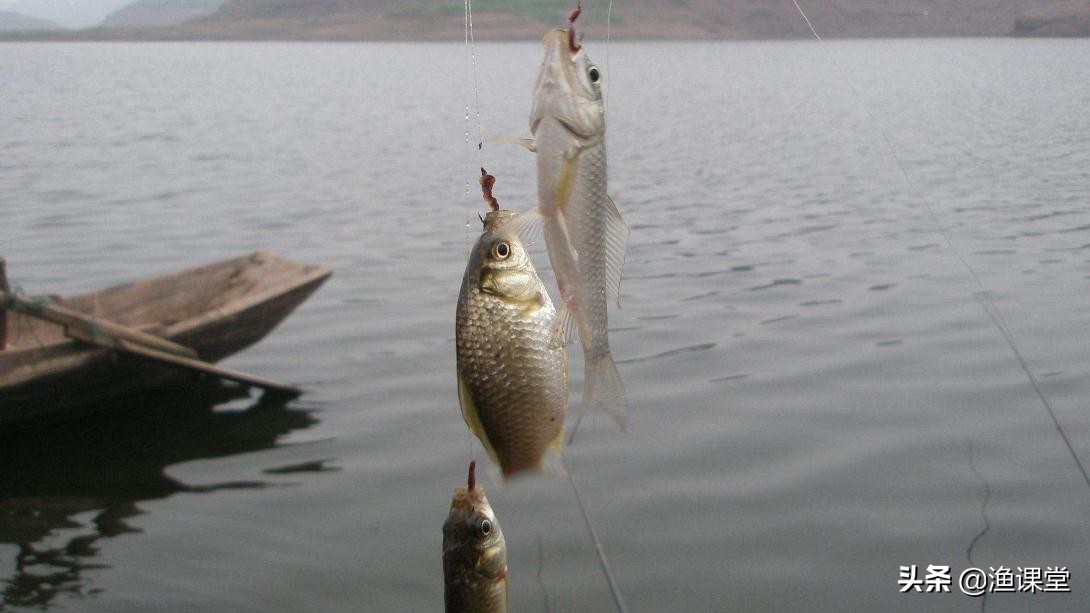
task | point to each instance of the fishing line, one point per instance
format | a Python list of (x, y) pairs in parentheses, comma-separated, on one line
[(598, 547), (983, 507), (467, 63), (540, 570), (474, 100), (466, 81), (476, 86), (982, 296), (984, 514)]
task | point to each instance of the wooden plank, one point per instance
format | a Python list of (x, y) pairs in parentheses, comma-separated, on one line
[(206, 368), (3, 312), (187, 363), (88, 327)]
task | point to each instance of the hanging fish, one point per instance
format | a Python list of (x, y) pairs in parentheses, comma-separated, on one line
[(584, 233), (474, 553), (512, 366)]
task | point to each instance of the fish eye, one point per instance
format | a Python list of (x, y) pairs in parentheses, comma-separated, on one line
[(594, 74), (501, 250), (485, 527)]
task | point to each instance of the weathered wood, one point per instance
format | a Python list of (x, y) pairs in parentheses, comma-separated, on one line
[(3, 312), (85, 327)]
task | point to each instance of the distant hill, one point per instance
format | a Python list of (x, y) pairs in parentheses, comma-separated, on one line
[(664, 19), (15, 22), (159, 13), (526, 19), (71, 14), (1056, 18)]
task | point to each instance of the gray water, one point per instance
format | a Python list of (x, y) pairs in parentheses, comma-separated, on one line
[(818, 395)]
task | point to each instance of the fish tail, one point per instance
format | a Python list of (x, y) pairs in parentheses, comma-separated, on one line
[(602, 389)]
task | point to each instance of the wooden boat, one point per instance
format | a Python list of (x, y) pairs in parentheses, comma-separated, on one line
[(216, 310)]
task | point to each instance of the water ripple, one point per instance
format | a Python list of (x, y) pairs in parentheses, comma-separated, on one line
[(776, 283), (670, 354)]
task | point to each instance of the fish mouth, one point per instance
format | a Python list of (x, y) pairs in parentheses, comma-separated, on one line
[(556, 35), (554, 88), (553, 63)]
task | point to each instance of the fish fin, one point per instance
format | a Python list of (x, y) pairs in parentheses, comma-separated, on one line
[(552, 463), (602, 389), (616, 236), (527, 225), (565, 235), (565, 181), (556, 451), (563, 326), (472, 419), (557, 446), (506, 139)]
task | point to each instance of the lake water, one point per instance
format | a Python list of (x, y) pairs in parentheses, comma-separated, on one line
[(818, 395)]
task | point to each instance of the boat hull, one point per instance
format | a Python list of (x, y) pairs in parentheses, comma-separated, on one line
[(65, 378)]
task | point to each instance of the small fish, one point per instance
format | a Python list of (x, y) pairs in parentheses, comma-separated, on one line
[(474, 553), (584, 233), (512, 366)]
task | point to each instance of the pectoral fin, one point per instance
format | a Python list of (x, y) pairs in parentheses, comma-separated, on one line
[(565, 181), (556, 448), (472, 419), (552, 461), (563, 327), (527, 225), (527, 143)]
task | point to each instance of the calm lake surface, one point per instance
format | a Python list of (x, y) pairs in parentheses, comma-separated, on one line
[(818, 395)]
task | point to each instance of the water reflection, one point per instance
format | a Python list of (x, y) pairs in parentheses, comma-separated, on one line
[(101, 468)]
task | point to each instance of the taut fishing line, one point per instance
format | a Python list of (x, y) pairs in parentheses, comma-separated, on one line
[(599, 549), (541, 569), (474, 100), (983, 514), (989, 307), (476, 86)]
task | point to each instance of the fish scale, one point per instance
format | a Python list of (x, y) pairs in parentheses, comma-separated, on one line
[(587, 232), (512, 370)]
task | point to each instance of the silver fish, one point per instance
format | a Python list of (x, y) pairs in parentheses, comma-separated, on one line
[(474, 553), (512, 366), (584, 233)]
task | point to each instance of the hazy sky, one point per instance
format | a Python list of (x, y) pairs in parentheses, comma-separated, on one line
[(69, 13)]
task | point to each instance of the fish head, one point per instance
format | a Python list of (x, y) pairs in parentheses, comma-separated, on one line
[(472, 536), (506, 269), (569, 87)]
